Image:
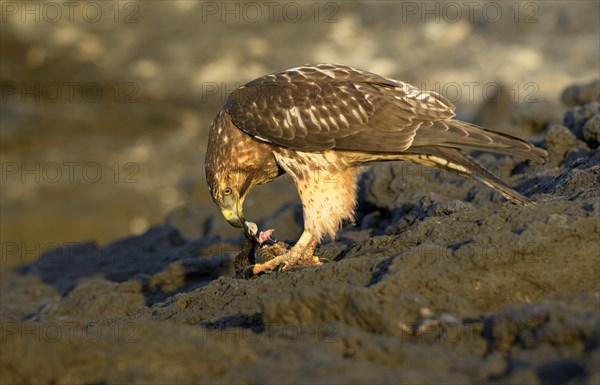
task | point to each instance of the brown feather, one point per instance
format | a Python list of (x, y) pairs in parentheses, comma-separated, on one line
[(325, 106)]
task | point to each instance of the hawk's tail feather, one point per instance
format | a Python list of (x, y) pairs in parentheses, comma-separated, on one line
[(468, 136), (454, 160)]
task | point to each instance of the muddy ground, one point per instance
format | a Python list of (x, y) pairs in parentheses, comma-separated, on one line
[(440, 280)]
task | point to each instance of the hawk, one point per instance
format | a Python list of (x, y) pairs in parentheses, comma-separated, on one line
[(318, 123)]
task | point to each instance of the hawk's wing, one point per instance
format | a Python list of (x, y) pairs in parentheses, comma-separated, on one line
[(321, 107), (326, 106)]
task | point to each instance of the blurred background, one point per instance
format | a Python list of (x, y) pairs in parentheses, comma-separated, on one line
[(106, 105)]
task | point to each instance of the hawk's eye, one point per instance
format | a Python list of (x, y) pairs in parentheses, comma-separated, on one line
[(227, 191)]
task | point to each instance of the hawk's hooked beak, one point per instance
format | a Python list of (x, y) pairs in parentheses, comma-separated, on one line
[(232, 210)]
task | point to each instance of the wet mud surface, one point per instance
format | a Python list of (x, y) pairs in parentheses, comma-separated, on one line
[(441, 280)]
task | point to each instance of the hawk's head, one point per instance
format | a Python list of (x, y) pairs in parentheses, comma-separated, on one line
[(228, 189), (235, 162), (228, 169)]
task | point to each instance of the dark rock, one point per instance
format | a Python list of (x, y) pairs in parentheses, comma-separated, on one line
[(581, 94), (577, 117), (559, 141), (591, 131)]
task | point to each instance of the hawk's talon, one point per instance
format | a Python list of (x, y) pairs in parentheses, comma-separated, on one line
[(281, 267), (247, 272)]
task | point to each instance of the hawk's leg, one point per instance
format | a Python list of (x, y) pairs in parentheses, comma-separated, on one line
[(300, 254), (327, 200)]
